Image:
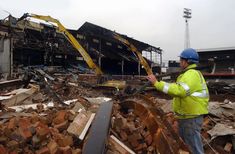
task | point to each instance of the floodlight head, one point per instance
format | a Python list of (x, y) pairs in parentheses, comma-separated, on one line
[(187, 13)]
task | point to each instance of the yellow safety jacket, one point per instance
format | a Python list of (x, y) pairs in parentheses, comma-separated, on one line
[(190, 93)]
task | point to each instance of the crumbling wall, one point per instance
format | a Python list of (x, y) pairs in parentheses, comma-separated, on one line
[(5, 55)]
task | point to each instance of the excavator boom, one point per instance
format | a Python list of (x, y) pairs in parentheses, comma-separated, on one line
[(142, 61), (69, 37)]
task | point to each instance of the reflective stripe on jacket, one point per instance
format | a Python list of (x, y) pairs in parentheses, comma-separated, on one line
[(190, 93)]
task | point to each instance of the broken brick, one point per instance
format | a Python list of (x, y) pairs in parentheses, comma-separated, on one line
[(60, 117), (134, 139), (123, 135), (34, 119), (46, 120), (72, 115), (32, 129), (131, 117), (16, 136), (145, 133), (120, 123), (3, 139), (25, 133), (24, 123), (3, 150), (150, 149), (43, 150), (134, 143), (13, 152), (62, 126), (12, 144), (12, 123), (228, 147), (131, 126), (40, 107), (65, 141), (10, 109), (54, 132), (35, 140), (140, 147), (27, 150), (65, 150), (149, 139), (42, 131), (52, 146), (7, 132), (77, 151)]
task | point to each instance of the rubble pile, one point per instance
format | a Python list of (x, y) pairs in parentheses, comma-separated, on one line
[(131, 131), (219, 127), (221, 87), (39, 134), (53, 113), (144, 128), (47, 117), (218, 130), (219, 91), (46, 127)]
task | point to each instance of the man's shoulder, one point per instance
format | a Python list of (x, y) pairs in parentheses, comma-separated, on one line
[(191, 74), (191, 71)]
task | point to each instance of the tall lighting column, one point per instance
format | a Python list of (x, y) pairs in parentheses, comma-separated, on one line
[(187, 15)]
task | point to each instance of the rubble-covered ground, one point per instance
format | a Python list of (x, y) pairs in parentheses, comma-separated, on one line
[(52, 111)]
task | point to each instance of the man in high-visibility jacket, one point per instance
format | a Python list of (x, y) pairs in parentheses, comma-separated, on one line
[(190, 100)]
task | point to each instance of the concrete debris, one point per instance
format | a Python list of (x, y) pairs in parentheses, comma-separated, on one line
[(222, 110), (228, 147), (16, 97), (70, 101), (98, 100), (54, 113), (81, 121), (20, 108), (221, 130), (221, 87), (228, 105), (45, 74), (118, 146), (78, 107), (136, 126), (7, 83), (9, 115), (165, 105), (50, 104), (68, 109)]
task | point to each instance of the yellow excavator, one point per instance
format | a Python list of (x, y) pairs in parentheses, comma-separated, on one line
[(142, 61), (69, 37), (111, 83)]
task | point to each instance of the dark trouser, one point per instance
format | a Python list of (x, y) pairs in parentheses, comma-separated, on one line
[(190, 132)]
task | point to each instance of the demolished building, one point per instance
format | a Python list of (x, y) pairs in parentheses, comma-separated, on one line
[(59, 110), (29, 43), (223, 59)]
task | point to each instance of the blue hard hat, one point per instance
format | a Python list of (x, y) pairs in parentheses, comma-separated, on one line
[(190, 55)]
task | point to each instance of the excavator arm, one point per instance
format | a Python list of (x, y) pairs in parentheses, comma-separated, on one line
[(69, 37), (142, 61)]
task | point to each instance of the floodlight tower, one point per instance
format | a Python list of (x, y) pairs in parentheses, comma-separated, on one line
[(187, 15)]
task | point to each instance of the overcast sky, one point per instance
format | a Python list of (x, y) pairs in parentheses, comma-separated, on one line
[(156, 22)]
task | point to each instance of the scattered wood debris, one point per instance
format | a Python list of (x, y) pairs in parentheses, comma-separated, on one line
[(54, 114)]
